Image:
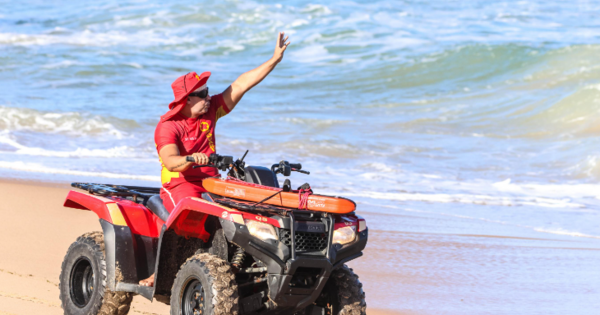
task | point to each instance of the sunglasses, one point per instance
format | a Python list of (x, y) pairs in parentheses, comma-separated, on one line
[(201, 94)]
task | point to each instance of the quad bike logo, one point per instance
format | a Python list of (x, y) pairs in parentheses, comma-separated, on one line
[(237, 192), (316, 203)]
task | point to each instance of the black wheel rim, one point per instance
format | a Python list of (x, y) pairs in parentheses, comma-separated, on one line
[(192, 301), (82, 282)]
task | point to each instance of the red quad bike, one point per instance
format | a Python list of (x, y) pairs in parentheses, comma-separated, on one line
[(219, 254)]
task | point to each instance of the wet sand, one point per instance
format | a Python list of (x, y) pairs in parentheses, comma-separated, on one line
[(34, 238), (429, 263)]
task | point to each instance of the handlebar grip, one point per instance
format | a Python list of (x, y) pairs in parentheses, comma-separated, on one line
[(297, 166), (190, 159)]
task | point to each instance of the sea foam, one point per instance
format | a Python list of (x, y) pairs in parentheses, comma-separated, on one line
[(40, 168), (70, 123)]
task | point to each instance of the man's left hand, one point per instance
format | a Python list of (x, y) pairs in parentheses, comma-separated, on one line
[(280, 46)]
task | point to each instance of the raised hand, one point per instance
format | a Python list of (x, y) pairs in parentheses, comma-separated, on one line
[(280, 46)]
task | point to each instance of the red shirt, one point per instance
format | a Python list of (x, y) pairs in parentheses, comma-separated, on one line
[(191, 135)]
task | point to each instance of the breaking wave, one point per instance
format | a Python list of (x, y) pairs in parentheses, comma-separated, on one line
[(69, 123)]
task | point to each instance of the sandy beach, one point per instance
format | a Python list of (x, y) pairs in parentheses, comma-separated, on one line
[(426, 264), (33, 241)]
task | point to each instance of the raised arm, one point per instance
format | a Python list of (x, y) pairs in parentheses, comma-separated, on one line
[(233, 94)]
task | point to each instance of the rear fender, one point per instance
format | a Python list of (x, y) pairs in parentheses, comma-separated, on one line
[(118, 239), (106, 209)]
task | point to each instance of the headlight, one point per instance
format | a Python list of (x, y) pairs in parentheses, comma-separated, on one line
[(344, 235), (261, 230)]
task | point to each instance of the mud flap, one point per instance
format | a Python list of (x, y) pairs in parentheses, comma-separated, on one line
[(119, 254)]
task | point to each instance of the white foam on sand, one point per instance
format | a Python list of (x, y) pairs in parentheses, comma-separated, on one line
[(555, 231), (469, 199), (40, 168), (394, 184)]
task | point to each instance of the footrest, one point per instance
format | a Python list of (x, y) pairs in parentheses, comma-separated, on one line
[(144, 291)]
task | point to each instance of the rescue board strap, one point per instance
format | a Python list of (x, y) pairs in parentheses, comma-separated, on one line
[(303, 192)]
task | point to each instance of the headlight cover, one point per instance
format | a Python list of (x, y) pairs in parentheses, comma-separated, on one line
[(344, 235), (261, 230)]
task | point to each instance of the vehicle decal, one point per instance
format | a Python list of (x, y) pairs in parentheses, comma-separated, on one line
[(165, 174), (236, 192), (115, 214), (211, 143)]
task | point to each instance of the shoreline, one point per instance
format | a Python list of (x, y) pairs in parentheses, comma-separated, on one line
[(50, 230)]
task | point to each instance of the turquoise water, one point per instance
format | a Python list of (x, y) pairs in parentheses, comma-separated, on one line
[(482, 111)]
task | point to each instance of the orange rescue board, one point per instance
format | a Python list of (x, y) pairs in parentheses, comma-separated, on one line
[(252, 192)]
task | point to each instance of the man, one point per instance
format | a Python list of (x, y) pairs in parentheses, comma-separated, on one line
[(188, 129)]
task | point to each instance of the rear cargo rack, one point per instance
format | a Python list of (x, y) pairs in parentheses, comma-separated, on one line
[(137, 194)]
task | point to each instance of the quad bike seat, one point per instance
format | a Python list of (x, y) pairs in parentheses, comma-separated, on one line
[(155, 204)]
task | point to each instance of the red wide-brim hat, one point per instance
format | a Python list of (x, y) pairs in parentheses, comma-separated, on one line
[(182, 87)]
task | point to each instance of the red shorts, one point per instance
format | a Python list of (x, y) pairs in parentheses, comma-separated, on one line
[(172, 196)]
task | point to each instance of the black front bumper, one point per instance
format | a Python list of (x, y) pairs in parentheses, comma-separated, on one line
[(295, 280)]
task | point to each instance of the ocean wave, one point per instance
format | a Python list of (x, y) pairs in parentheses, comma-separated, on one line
[(392, 183), (565, 232), (554, 231), (115, 152), (313, 122), (588, 167), (312, 54), (69, 123), (40, 168), (87, 38), (499, 91), (509, 201)]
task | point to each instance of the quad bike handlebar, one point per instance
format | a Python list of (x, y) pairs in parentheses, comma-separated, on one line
[(286, 168), (221, 162), (237, 168)]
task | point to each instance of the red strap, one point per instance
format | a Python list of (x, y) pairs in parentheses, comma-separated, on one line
[(303, 198)]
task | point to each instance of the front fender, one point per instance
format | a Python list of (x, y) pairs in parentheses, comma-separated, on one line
[(188, 218)]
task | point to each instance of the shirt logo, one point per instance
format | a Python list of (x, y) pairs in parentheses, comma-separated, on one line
[(204, 126)]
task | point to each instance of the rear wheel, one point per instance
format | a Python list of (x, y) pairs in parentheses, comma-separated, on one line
[(83, 280), (205, 285)]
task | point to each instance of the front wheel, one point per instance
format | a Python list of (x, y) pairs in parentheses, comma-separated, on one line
[(83, 280), (204, 285), (342, 295)]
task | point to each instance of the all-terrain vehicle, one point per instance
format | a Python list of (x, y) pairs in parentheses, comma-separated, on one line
[(220, 254)]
